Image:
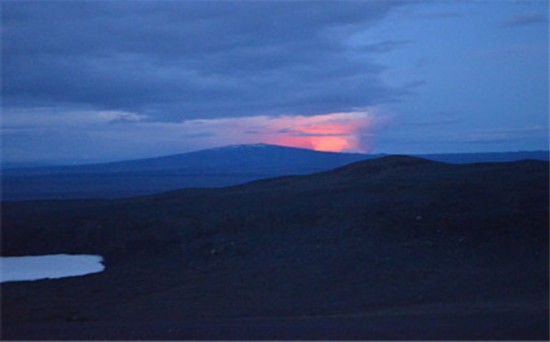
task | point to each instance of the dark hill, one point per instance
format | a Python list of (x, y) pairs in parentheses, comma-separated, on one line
[(393, 248), (383, 164), (493, 157)]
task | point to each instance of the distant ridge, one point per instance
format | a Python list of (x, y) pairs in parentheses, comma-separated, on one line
[(487, 157), (394, 160), (237, 156), (217, 167), (197, 158), (210, 168)]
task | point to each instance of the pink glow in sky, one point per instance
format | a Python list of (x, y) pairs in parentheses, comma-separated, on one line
[(336, 132), (128, 135), (329, 132)]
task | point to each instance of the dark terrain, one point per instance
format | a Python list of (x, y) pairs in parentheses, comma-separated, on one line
[(218, 167), (391, 248)]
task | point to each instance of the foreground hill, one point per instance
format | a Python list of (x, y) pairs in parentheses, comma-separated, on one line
[(225, 166), (396, 247)]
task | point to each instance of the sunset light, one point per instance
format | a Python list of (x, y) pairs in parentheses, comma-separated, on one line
[(335, 132), (275, 170)]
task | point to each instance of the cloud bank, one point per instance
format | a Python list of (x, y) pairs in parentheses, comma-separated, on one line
[(177, 60), (107, 80), (525, 19)]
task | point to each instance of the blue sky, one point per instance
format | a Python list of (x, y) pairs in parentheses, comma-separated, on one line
[(96, 81)]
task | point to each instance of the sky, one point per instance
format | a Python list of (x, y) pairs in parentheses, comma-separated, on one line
[(89, 81)]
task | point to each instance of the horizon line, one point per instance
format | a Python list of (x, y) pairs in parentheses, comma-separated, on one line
[(38, 163)]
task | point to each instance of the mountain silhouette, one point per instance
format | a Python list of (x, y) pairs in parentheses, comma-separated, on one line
[(217, 167)]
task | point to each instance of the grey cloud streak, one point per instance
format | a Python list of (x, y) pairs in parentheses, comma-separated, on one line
[(181, 60), (524, 19)]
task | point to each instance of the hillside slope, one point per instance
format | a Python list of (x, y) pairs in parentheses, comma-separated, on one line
[(363, 251)]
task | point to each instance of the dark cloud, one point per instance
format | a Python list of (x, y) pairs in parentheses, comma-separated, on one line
[(187, 59), (299, 133), (508, 134), (525, 19), (199, 135), (385, 46), (431, 123)]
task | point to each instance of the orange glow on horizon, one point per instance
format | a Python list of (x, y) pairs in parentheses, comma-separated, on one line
[(334, 132), (332, 144), (330, 132)]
